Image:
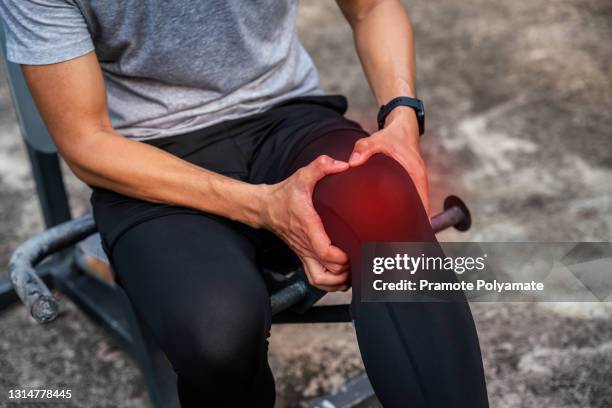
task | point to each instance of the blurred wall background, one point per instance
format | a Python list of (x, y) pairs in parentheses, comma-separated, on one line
[(519, 98)]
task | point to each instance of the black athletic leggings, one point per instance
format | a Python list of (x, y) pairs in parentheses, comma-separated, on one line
[(195, 278)]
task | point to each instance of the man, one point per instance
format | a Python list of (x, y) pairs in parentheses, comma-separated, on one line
[(202, 130)]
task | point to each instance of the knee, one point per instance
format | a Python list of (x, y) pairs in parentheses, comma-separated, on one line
[(380, 183), (224, 341), (377, 199), (385, 188)]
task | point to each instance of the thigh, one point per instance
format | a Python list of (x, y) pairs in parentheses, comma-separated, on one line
[(192, 277), (336, 142), (305, 132)]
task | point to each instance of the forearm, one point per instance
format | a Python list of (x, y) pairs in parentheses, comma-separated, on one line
[(71, 100), (108, 160), (384, 41)]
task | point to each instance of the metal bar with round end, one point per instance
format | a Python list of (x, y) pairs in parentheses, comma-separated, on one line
[(456, 214), (32, 291)]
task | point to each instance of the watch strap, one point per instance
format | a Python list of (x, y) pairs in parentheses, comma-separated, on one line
[(413, 103)]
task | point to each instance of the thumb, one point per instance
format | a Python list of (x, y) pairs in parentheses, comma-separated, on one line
[(324, 165), (363, 149)]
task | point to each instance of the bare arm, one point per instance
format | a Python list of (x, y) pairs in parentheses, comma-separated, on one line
[(72, 101), (385, 44), (384, 41)]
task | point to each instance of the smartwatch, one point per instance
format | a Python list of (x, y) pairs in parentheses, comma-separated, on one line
[(413, 103)]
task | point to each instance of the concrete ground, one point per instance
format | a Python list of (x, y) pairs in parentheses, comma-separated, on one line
[(519, 98)]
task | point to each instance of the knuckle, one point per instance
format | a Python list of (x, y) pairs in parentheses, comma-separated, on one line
[(323, 160), (323, 253), (300, 173), (362, 143)]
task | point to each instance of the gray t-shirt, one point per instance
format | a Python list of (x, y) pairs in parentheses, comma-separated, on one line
[(170, 67)]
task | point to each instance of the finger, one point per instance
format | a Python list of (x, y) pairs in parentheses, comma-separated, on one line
[(332, 254), (339, 288), (309, 269), (321, 244), (318, 276), (327, 278), (322, 166), (336, 268), (364, 148)]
